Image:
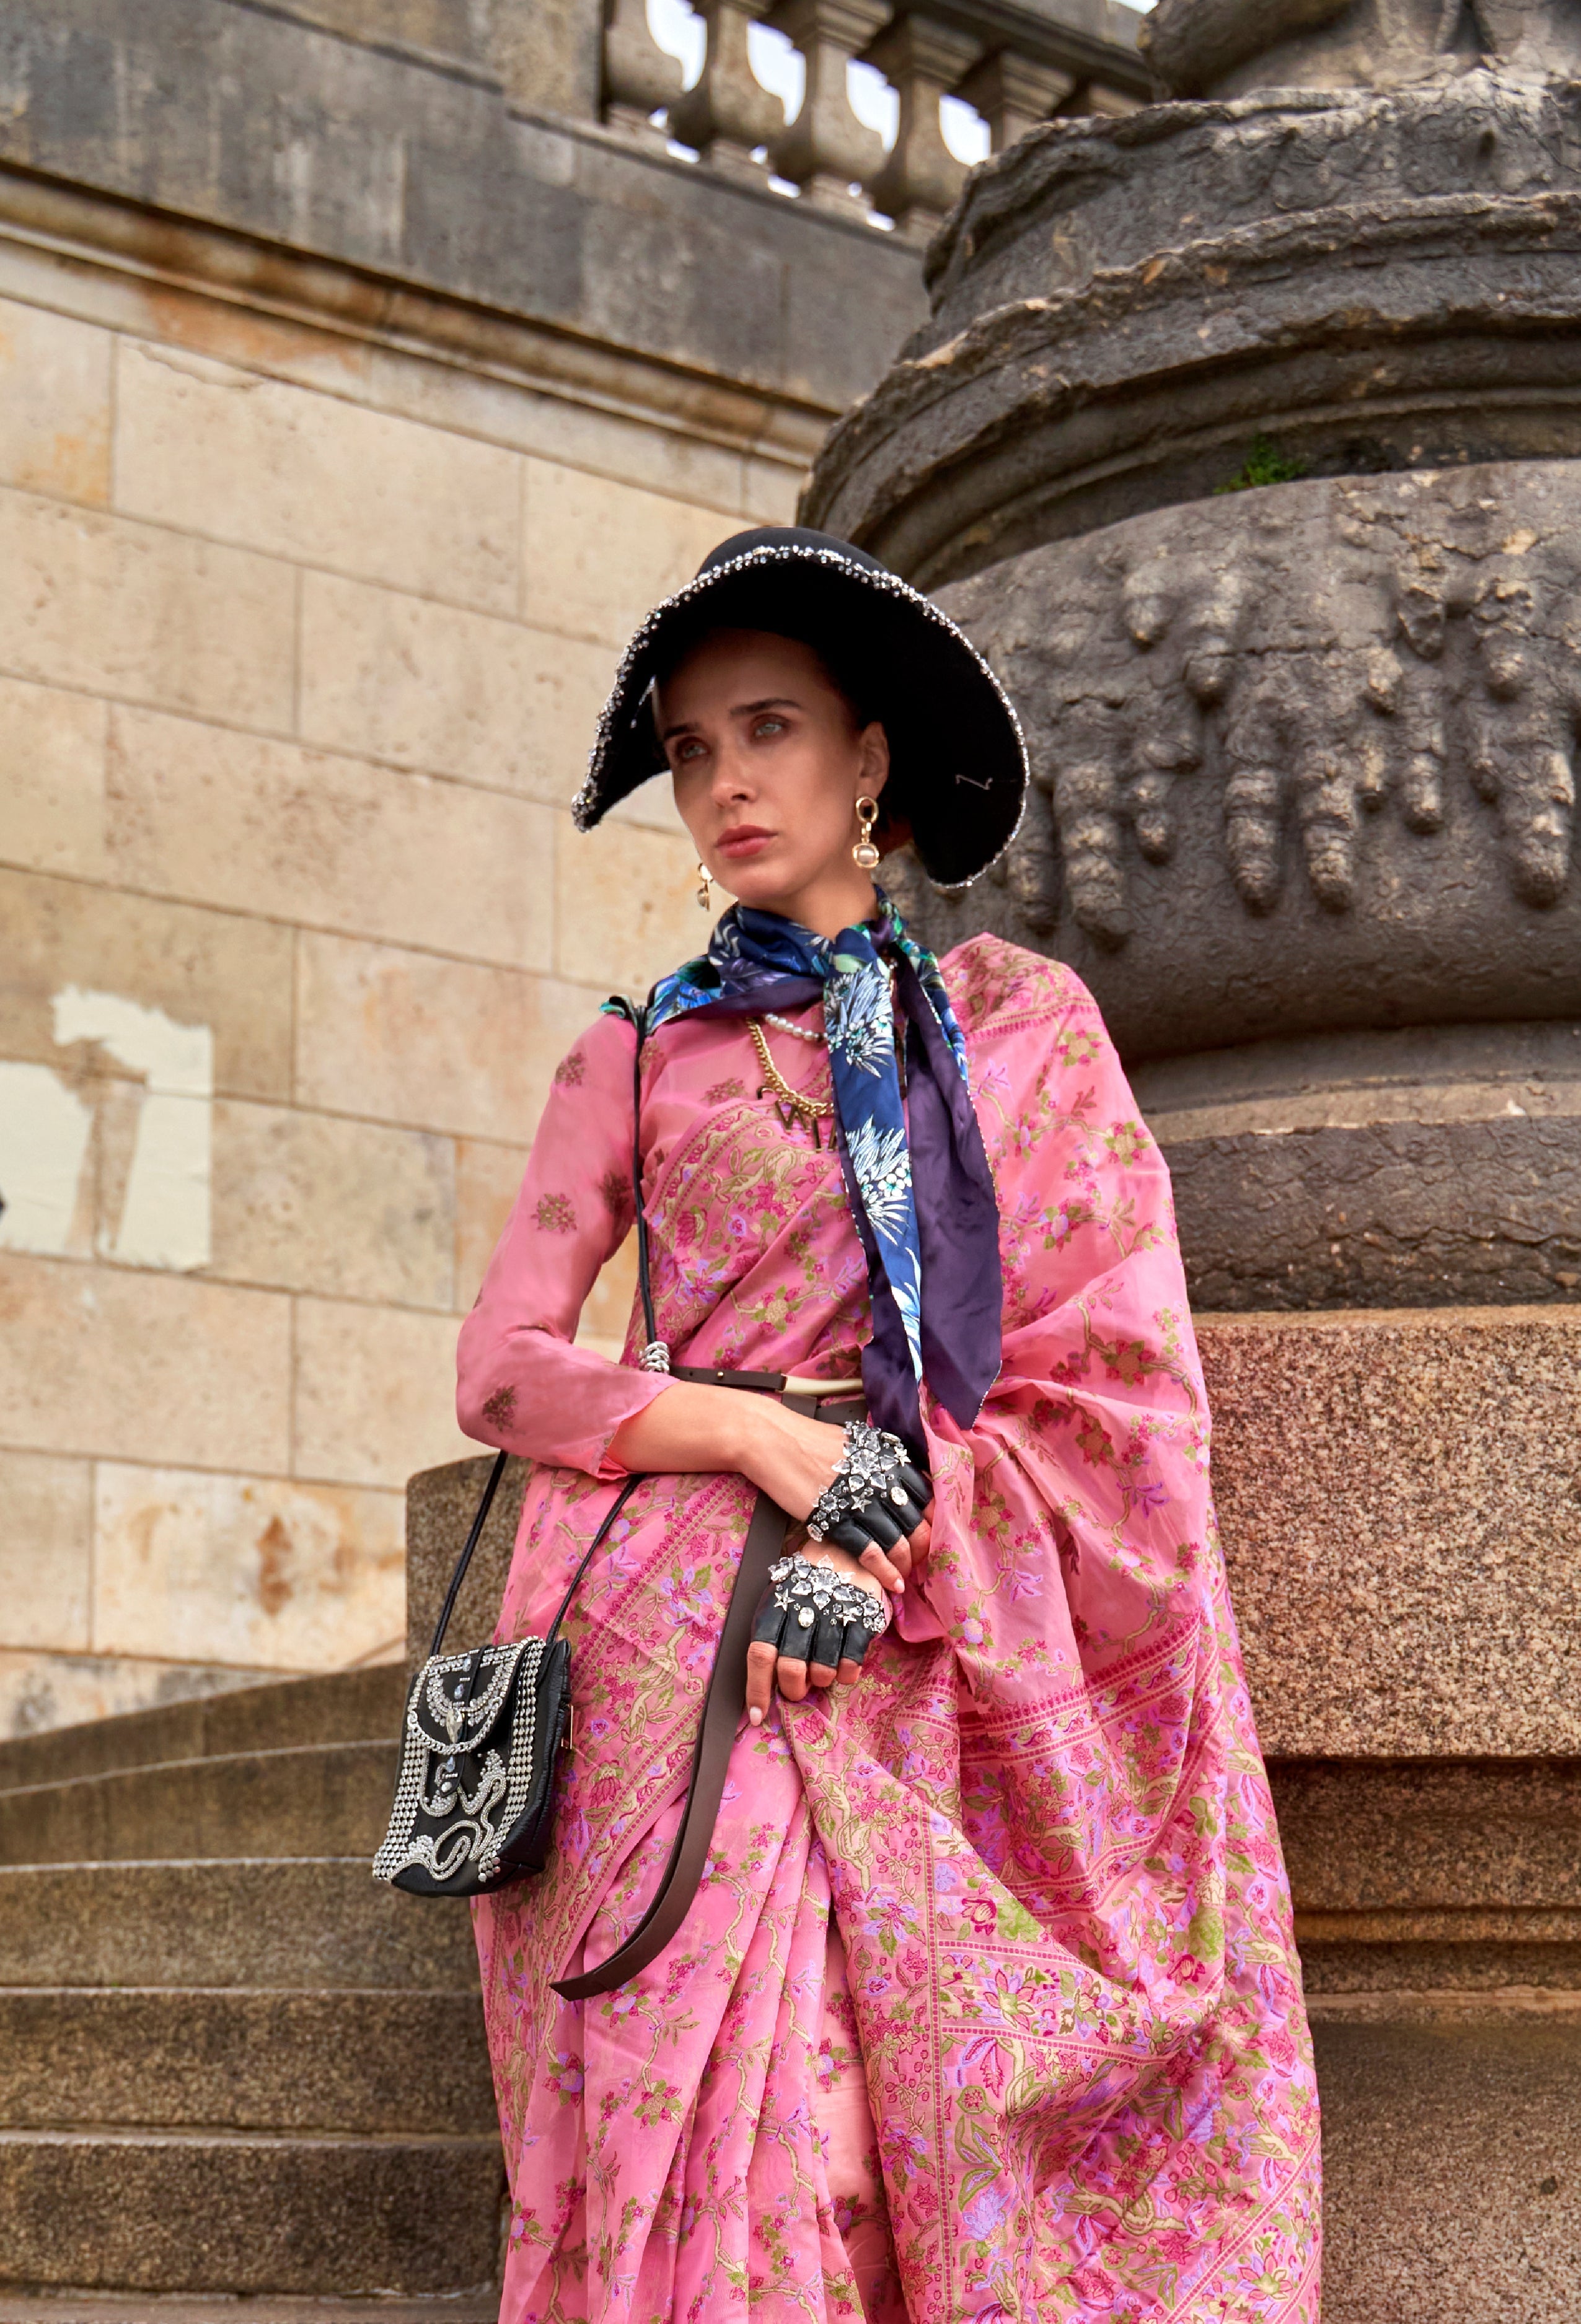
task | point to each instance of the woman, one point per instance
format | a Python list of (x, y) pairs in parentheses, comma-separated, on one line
[(988, 2004)]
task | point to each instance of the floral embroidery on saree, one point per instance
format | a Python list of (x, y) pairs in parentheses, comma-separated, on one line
[(1040, 1821)]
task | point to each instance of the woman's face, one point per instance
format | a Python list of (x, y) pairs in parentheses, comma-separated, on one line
[(768, 764)]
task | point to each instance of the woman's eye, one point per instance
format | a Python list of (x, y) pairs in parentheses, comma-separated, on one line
[(770, 726), (689, 748)]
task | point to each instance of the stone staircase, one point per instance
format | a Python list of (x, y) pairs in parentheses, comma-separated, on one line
[(229, 2064)]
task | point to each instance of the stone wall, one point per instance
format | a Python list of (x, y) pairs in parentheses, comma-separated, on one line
[(314, 570)]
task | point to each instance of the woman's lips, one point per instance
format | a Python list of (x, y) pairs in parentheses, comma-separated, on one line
[(746, 839)]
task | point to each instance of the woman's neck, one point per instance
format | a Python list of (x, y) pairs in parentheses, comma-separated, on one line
[(841, 898)]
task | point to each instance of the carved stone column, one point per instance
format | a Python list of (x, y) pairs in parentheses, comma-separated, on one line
[(1244, 440), (729, 113), (826, 150), (921, 177), (640, 78)]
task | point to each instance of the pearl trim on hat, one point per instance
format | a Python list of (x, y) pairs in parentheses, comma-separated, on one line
[(586, 806)]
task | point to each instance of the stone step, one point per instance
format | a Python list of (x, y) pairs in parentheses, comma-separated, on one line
[(312, 1921), (203, 2212), (238, 2061), (339, 1707), (315, 1800)]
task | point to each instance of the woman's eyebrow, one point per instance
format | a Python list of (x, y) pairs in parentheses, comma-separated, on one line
[(740, 710), (770, 702)]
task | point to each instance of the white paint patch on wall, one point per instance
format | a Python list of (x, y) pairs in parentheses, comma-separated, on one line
[(44, 1130), (166, 1216)]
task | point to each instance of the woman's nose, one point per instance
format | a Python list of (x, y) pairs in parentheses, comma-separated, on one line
[(731, 778)]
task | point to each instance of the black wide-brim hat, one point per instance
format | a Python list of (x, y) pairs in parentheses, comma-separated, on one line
[(958, 762)]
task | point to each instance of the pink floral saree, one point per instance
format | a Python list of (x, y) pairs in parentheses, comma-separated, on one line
[(1009, 1917)]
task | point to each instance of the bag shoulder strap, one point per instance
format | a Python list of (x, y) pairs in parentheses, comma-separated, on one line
[(636, 1016)]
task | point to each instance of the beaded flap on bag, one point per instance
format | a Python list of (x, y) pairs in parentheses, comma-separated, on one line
[(469, 1750)]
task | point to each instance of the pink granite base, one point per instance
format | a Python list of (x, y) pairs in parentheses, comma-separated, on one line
[(1399, 1495)]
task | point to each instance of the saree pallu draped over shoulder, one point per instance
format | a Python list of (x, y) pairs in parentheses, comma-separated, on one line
[(1015, 1902)]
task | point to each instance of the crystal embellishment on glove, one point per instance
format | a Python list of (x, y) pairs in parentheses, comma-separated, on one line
[(805, 1589), (870, 1470)]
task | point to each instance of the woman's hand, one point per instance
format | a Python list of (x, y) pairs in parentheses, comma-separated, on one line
[(784, 1454), (767, 1668)]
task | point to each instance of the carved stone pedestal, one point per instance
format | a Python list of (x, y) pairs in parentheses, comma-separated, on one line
[(1245, 439)]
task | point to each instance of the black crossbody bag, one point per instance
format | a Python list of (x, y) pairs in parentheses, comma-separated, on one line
[(485, 1729)]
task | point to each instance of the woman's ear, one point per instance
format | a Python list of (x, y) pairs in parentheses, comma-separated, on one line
[(873, 744)]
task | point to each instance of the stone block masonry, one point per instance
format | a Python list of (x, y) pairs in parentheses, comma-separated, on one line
[(295, 693), (313, 579)]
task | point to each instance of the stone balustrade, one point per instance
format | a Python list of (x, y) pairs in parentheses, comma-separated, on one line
[(1015, 62)]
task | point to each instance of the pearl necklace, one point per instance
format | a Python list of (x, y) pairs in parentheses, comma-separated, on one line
[(797, 1032)]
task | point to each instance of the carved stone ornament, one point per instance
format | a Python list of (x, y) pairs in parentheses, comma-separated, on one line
[(1305, 757), (1244, 440)]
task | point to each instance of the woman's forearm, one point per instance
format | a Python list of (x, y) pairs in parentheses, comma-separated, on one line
[(792, 1458), (689, 1430)]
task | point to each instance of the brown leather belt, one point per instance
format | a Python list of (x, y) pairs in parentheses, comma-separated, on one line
[(722, 1706)]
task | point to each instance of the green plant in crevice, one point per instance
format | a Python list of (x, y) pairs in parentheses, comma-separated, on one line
[(1265, 465)]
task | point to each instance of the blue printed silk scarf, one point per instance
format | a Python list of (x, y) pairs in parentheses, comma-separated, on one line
[(921, 1192)]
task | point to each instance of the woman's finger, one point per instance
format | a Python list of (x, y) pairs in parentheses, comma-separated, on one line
[(792, 1679), (760, 1681), (823, 1650), (872, 1560)]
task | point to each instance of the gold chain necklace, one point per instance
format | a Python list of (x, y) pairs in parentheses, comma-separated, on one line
[(791, 1105)]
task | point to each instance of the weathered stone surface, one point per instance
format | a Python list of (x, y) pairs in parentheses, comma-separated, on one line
[(353, 1209), (456, 693), (52, 779), (255, 1572), (46, 1552), (204, 2211), (1367, 1837), (1452, 2164), (343, 1349), (370, 2063), (213, 1381), (217, 969), (423, 174), (598, 554), (343, 1707), (1300, 756), (440, 1504), (317, 1922), (1420, 1167), (318, 479), (309, 1800), (286, 2063), (626, 909), (55, 396), (96, 601), (173, 2308), (1400, 1502), (1121, 308), (326, 841), (45, 1688), (408, 1037), (1225, 46)]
